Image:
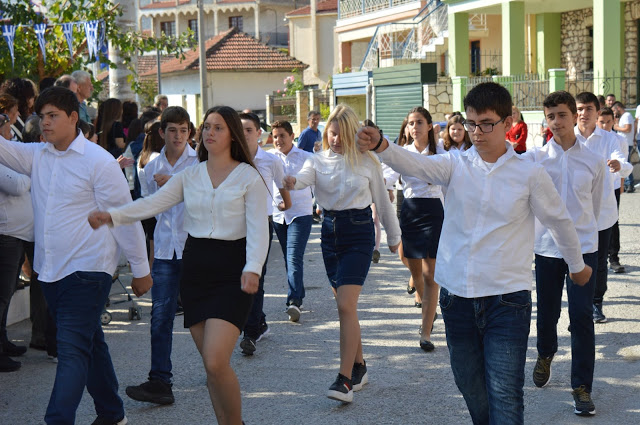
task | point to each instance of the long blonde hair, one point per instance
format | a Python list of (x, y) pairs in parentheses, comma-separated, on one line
[(349, 125)]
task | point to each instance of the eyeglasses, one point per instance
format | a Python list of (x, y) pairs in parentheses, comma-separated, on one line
[(484, 127)]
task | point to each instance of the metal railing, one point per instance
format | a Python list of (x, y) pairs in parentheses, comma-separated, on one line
[(625, 84), (284, 107), (351, 8)]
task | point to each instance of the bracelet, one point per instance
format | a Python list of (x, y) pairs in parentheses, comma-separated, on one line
[(379, 143)]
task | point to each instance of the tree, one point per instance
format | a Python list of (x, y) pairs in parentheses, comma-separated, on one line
[(29, 62)]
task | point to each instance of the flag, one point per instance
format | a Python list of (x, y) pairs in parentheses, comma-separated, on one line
[(91, 30), (40, 29), (9, 34), (67, 29)]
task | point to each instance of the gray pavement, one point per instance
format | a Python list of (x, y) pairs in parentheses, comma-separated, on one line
[(285, 382)]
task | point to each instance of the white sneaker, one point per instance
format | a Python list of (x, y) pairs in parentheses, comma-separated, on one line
[(294, 313)]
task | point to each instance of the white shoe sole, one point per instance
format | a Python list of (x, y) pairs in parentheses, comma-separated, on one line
[(579, 413), (548, 380), (365, 380), (337, 395), (267, 332), (294, 313)]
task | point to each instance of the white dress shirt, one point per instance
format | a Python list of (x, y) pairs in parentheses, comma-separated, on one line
[(578, 175), (301, 200), (607, 146), (169, 235), (142, 177), (232, 211), (390, 176), (16, 211), (486, 244), (340, 187), (272, 171), (413, 187), (65, 187)]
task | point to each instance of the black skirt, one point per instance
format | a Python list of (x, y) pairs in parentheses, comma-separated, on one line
[(210, 285), (421, 224)]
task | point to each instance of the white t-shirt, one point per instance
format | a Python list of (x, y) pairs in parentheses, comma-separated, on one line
[(625, 119), (637, 116)]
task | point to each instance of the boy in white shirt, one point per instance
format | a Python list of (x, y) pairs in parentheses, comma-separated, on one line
[(292, 226), (70, 177), (272, 171), (624, 127), (484, 256), (578, 175), (605, 123), (169, 239)]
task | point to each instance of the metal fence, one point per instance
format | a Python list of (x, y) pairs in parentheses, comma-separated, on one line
[(528, 91), (625, 84), (350, 8)]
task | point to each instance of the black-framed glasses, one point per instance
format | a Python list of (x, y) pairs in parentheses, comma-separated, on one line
[(484, 127)]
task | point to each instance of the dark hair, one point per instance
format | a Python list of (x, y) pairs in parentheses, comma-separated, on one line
[(431, 143), (601, 99), (560, 97), (174, 115), (312, 113), (129, 112), (402, 139), (46, 82), (7, 102), (587, 97), (111, 112), (59, 97), (605, 111), (135, 129), (32, 131), (251, 117), (152, 142), (611, 95), (22, 90), (149, 114), (239, 147), (489, 97), (447, 141), (618, 104), (285, 125), (88, 130)]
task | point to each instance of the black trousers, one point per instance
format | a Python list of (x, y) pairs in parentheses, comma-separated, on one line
[(614, 245)]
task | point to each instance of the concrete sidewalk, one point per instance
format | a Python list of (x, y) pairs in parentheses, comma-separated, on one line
[(286, 380)]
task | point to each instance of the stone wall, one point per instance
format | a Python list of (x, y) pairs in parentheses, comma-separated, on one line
[(577, 49), (438, 98), (631, 16)]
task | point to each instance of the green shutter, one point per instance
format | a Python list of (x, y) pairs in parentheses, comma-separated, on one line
[(393, 103)]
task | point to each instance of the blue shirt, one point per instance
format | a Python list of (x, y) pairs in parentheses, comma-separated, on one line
[(308, 138)]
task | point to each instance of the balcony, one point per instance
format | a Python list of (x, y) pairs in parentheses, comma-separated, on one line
[(353, 8)]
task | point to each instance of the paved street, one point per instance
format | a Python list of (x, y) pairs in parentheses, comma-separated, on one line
[(285, 382)]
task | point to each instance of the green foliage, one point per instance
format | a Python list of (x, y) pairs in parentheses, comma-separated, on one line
[(325, 111), (293, 83), (148, 90), (28, 58)]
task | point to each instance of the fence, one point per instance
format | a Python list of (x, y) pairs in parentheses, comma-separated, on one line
[(283, 108), (625, 85), (350, 8), (295, 108)]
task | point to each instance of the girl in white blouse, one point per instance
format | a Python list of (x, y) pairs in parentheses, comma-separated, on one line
[(346, 184), (455, 136), (421, 222), (226, 218)]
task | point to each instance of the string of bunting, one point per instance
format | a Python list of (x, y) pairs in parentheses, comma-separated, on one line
[(94, 32)]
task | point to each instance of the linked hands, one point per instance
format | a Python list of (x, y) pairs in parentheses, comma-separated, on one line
[(99, 218), (368, 138), (581, 278), (249, 282), (614, 165), (289, 182)]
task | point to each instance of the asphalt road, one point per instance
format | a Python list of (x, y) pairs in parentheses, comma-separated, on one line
[(286, 380)]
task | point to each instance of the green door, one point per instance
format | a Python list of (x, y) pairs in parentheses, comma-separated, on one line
[(393, 103)]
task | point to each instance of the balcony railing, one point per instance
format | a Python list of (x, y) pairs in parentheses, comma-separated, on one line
[(351, 8)]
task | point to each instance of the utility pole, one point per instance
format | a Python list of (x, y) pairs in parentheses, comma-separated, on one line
[(204, 83)]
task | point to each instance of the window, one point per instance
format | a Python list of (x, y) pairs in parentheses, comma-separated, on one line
[(588, 46), (235, 21), (168, 28), (193, 26)]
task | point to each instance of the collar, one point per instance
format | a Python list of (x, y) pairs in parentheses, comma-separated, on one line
[(294, 149), (78, 145), (598, 132), (558, 150), (473, 156), (187, 152)]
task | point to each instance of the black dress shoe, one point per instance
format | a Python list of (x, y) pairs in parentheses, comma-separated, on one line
[(12, 350), (35, 346), (7, 364), (411, 289)]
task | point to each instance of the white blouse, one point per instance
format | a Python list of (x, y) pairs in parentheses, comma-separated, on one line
[(232, 211), (16, 210), (417, 188), (340, 187)]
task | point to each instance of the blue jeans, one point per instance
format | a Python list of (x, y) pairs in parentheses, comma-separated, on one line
[(551, 274), (487, 340), (76, 302), (629, 182), (293, 239), (347, 245), (256, 315), (166, 276)]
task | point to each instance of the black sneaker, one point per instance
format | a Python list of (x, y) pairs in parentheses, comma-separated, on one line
[(12, 350), (426, 345), (264, 331), (542, 371), (152, 391), (359, 375), (341, 389), (103, 421), (7, 364), (582, 402), (248, 346), (598, 315), (617, 267)]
